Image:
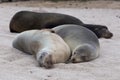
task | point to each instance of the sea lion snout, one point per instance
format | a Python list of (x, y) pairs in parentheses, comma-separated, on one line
[(105, 33), (48, 62), (80, 59)]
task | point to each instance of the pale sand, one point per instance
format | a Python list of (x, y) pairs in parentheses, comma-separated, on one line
[(16, 65)]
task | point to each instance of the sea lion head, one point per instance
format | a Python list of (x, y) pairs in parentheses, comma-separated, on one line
[(45, 60), (103, 32), (81, 54)]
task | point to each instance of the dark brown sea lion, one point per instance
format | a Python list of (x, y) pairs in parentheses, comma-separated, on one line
[(28, 20)]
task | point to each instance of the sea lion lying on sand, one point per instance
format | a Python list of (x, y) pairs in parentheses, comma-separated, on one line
[(28, 20), (83, 43), (48, 47)]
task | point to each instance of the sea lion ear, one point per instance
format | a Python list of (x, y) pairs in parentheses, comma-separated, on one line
[(52, 31)]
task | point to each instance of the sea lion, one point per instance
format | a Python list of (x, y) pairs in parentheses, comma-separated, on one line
[(28, 20), (48, 47), (83, 43)]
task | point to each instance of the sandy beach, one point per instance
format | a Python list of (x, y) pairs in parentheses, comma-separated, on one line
[(16, 65)]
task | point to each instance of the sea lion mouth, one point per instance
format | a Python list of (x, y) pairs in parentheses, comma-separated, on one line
[(48, 65), (80, 60), (73, 60)]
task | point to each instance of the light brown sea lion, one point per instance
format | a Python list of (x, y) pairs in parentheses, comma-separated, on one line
[(48, 47)]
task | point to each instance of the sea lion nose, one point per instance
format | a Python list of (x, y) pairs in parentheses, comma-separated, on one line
[(109, 35), (73, 60)]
